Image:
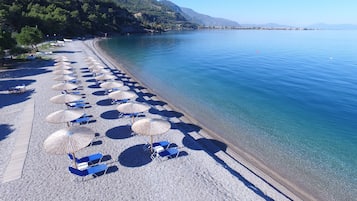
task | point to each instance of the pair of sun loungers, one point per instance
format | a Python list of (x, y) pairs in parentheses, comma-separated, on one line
[(92, 166), (17, 89), (163, 150)]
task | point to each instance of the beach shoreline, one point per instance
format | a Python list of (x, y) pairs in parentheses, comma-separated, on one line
[(202, 171), (253, 164)]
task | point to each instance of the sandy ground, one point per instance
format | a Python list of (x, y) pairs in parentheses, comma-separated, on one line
[(202, 171)]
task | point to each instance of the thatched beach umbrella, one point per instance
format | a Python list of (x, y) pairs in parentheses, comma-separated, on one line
[(68, 140), (100, 71), (65, 98), (64, 116), (62, 63), (64, 78), (62, 72), (105, 77), (111, 84), (61, 58), (65, 67), (132, 108), (64, 86), (151, 127), (122, 95)]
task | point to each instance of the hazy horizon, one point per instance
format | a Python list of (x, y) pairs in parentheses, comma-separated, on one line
[(293, 13)]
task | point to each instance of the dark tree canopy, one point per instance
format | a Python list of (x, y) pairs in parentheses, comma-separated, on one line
[(29, 36)]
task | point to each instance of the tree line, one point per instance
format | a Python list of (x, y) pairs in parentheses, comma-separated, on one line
[(29, 21)]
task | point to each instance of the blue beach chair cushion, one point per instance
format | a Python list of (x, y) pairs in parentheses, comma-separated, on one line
[(90, 171), (169, 153), (89, 159)]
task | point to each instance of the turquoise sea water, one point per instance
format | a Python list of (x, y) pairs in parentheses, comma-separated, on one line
[(287, 97)]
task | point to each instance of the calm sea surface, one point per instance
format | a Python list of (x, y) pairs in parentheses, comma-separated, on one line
[(287, 97)]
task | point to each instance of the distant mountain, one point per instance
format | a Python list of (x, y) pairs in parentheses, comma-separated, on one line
[(200, 19), (206, 20), (156, 15), (333, 26)]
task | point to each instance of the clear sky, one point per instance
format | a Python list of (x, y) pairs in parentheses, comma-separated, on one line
[(286, 12)]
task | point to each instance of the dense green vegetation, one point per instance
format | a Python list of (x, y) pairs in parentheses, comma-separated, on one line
[(65, 18), (56, 19), (157, 15)]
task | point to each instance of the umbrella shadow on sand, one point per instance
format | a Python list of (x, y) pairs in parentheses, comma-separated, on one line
[(111, 114), (99, 93), (10, 99), (166, 113), (134, 156), (119, 132), (212, 146), (105, 102), (5, 131), (94, 86)]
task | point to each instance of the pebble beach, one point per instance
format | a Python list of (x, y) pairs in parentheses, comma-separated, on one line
[(205, 169)]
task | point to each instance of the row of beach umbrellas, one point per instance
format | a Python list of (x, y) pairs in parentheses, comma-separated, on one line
[(69, 139), (73, 139), (146, 126)]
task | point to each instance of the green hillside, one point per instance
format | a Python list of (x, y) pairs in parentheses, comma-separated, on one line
[(156, 15)]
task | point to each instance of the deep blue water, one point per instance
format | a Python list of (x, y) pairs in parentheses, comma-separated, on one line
[(287, 97)]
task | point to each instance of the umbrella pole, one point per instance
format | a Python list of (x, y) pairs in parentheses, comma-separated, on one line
[(151, 142), (74, 160)]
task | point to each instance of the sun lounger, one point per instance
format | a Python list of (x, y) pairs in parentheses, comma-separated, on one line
[(92, 170), (81, 120), (88, 159), (119, 101), (164, 144), (17, 89), (166, 154), (76, 105)]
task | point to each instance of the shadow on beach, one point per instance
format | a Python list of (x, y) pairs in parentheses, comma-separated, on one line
[(5, 131), (99, 93), (134, 156), (212, 146), (64, 51), (27, 69), (105, 102), (111, 114), (10, 99), (166, 113), (119, 132)]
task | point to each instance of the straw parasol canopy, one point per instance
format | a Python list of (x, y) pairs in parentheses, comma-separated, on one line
[(111, 84), (105, 77), (132, 108), (100, 70), (61, 58), (62, 72), (64, 86), (64, 67), (95, 65), (122, 95), (65, 98), (68, 140), (151, 127), (64, 78), (62, 63), (64, 116)]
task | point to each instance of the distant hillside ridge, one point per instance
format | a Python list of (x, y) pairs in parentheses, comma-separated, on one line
[(208, 21), (198, 18), (156, 15)]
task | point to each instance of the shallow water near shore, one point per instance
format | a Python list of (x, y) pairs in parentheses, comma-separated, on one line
[(287, 97)]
